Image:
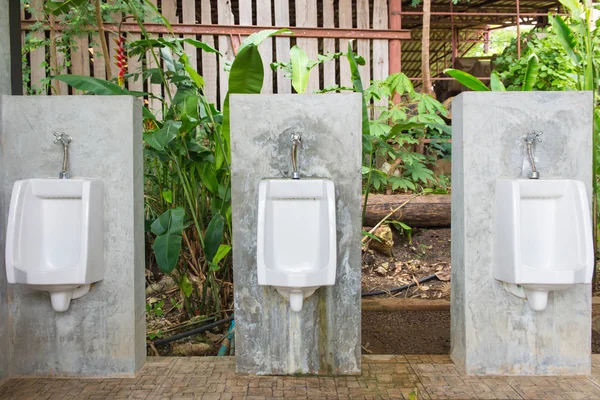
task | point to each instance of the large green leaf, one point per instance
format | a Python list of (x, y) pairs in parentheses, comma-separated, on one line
[(531, 72), (224, 249), (171, 221), (467, 79), (201, 45), (358, 87), (97, 86), (61, 7), (574, 7), (259, 37), (496, 83), (246, 76), (566, 36), (166, 250), (300, 71), (162, 137), (214, 234), (167, 244)]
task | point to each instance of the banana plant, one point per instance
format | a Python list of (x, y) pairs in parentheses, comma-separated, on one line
[(299, 67), (496, 84)]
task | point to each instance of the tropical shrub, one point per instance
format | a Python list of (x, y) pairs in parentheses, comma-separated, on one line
[(556, 71)]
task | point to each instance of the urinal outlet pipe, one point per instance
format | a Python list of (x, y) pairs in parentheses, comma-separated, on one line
[(399, 289), (159, 342)]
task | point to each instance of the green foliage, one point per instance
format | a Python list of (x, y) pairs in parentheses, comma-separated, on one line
[(75, 18), (155, 309), (187, 152), (467, 79), (394, 132), (299, 67), (556, 71)]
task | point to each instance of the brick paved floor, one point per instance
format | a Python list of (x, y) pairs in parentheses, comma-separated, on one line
[(383, 377)]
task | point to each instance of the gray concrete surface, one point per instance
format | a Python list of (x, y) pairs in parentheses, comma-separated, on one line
[(102, 333), (325, 337), (4, 89), (494, 332), (4, 49)]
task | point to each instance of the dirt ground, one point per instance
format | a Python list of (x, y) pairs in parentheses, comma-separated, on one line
[(427, 253), (413, 332)]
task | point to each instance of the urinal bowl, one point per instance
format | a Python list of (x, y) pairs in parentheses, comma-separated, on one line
[(55, 237), (296, 237), (542, 237)]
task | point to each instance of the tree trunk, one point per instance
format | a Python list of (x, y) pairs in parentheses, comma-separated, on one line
[(431, 211), (425, 69)]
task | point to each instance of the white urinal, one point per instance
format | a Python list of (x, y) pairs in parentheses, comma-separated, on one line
[(55, 237), (296, 242), (542, 237)]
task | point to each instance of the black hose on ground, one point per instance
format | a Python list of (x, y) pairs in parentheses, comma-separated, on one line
[(399, 289), (195, 331)]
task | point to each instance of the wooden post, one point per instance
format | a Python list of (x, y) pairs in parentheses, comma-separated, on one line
[(282, 45), (395, 46), (209, 60)]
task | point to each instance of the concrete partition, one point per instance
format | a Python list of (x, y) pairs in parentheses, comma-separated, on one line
[(102, 333), (325, 337), (494, 332), (4, 90)]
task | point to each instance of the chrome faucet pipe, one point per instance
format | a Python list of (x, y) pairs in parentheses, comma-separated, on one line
[(64, 139), (296, 142), (530, 140)]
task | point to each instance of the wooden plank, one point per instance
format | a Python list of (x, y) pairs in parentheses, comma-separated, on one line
[(112, 45), (209, 60), (282, 45), (155, 88), (80, 59), (134, 65), (364, 45), (380, 49), (63, 88), (306, 15), (245, 18), (58, 87), (188, 15), (263, 17), (169, 11), (329, 67), (225, 17), (401, 304), (245, 12), (37, 57), (98, 58), (345, 18)]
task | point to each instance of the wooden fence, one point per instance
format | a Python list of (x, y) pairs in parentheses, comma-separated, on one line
[(365, 19)]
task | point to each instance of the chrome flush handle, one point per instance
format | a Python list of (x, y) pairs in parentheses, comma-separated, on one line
[(530, 139), (63, 139), (296, 142)]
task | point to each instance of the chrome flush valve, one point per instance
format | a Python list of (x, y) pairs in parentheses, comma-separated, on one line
[(296, 142), (530, 139), (63, 139)]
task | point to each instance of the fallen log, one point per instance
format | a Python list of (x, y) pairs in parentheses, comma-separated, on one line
[(401, 304), (430, 211)]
